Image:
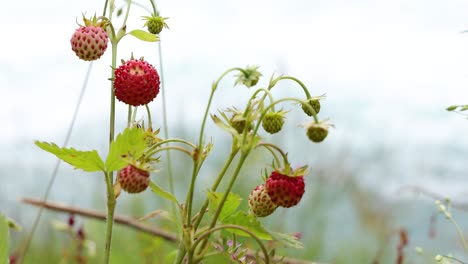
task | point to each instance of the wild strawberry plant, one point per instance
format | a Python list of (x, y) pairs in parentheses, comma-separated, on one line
[(134, 153)]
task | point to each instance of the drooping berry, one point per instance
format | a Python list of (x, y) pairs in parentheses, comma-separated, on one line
[(238, 122), (314, 103), (133, 179), (260, 203), (273, 122), (136, 82), (249, 76), (89, 42), (317, 132), (284, 190), (155, 24)]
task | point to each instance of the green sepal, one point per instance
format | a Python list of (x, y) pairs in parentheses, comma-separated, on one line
[(248, 221), (144, 35), (223, 125), (230, 205), (86, 160), (287, 240), (163, 193), (128, 145)]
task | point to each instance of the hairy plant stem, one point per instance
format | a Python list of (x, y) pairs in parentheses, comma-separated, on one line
[(199, 157), (215, 186), (111, 202), (242, 159), (109, 177)]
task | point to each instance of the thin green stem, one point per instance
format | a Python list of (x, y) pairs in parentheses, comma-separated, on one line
[(189, 200), (175, 148), (269, 147), (216, 184), (129, 4), (155, 11), (304, 88), (129, 116), (242, 158), (105, 8), (205, 235), (459, 231), (111, 202), (150, 123), (213, 89), (197, 161), (150, 152)]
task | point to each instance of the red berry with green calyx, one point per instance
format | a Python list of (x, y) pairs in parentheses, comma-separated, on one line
[(273, 122), (136, 82), (133, 179), (284, 190), (260, 203), (89, 42)]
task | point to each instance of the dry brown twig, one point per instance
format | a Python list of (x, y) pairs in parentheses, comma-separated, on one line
[(133, 223)]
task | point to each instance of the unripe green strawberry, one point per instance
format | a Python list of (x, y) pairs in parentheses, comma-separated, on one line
[(317, 132), (249, 76), (136, 82), (155, 24), (284, 190), (238, 122), (133, 179), (273, 122), (260, 203), (89, 42), (314, 103)]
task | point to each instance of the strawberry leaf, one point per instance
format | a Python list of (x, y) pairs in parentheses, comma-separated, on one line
[(5, 238), (287, 240), (163, 193), (143, 35), (248, 221), (232, 203), (128, 144), (86, 160)]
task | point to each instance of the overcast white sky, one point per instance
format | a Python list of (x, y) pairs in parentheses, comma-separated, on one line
[(388, 67)]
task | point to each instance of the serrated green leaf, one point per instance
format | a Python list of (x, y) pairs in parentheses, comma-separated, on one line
[(230, 206), (128, 144), (287, 240), (248, 221), (86, 160), (4, 240), (144, 35), (161, 192)]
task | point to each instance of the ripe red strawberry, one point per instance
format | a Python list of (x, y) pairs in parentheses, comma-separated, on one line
[(260, 203), (136, 82), (284, 190), (89, 42), (133, 179)]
